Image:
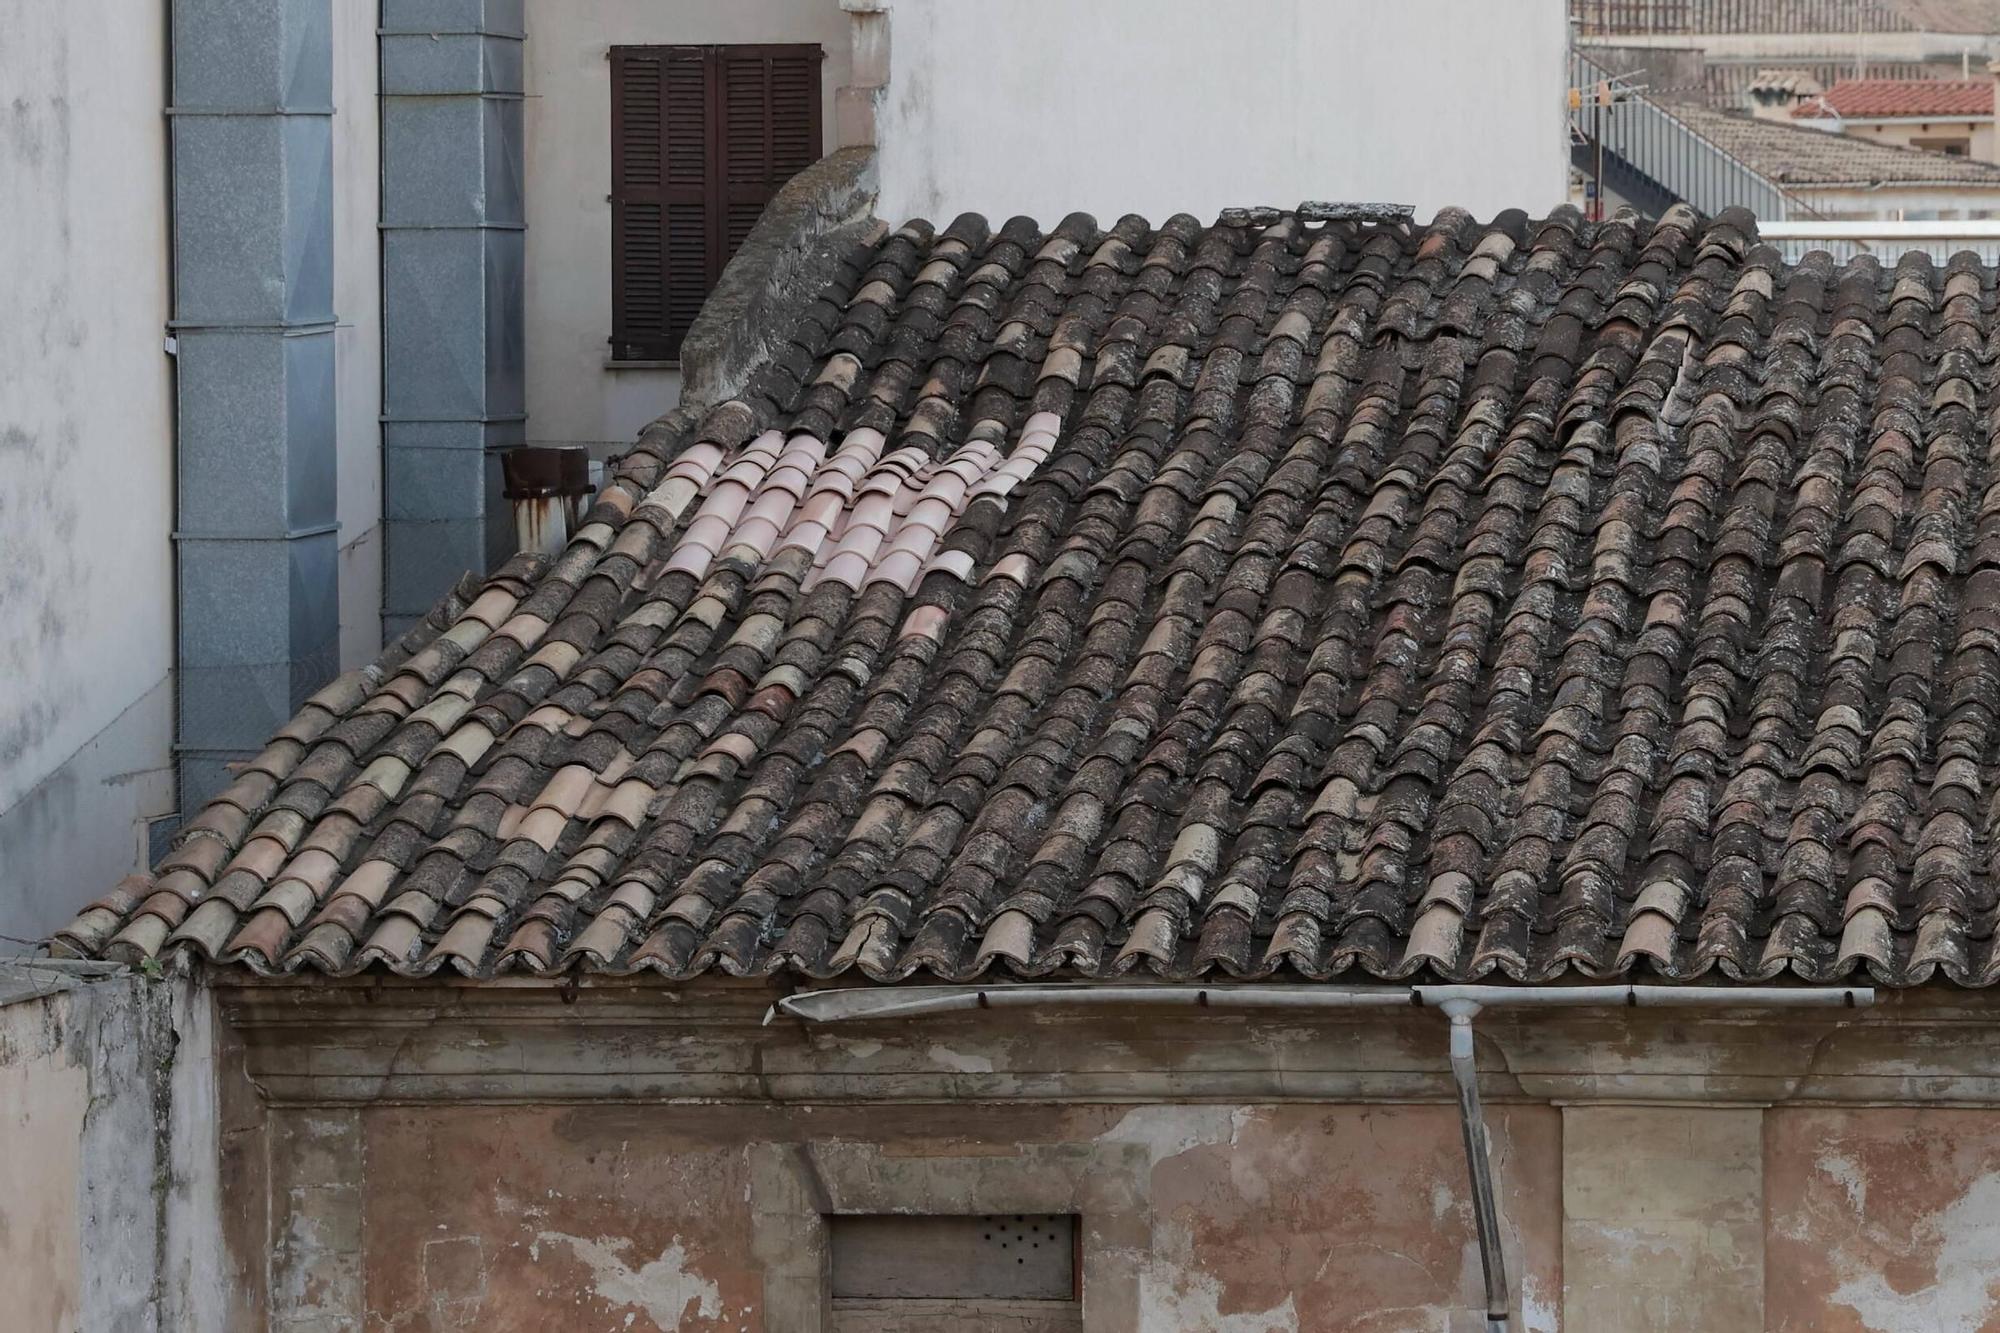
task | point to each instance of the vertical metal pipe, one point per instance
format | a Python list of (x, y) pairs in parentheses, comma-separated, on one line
[(1479, 1163)]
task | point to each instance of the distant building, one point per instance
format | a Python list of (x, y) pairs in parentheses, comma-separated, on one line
[(1951, 116), (1838, 176), (1712, 51), (1876, 150), (1776, 93)]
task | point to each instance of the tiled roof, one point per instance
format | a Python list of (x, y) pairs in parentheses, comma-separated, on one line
[(1342, 600), (1867, 98), (1965, 16), (1810, 158)]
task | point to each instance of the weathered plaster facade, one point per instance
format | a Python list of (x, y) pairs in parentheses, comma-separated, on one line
[(109, 1196), (438, 1155)]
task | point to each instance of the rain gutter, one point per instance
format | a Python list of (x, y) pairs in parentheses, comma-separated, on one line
[(1459, 1004)]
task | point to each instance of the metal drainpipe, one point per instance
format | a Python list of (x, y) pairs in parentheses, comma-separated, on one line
[(1459, 1004), (1478, 1163)]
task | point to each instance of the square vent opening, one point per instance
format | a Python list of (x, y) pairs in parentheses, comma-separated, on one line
[(901, 1273)]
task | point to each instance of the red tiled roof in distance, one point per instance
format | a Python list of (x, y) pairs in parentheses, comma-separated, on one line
[(1867, 99)]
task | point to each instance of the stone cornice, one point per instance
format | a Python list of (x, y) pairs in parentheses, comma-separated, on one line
[(390, 1040)]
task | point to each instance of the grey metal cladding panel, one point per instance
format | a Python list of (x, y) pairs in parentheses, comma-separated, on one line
[(428, 65), (221, 578), (420, 484), (256, 433), (229, 53), (204, 776), (434, 324), (469, 435), (234, 707), (253, 55), (308, 219), (233, 455), (423, 559), (501, 539), (506, 353), (308, 54), (313, 565), (503, 65), (229, 221), (505, 152), (453, 15), (311, 440), (506, 433), (434, 155)]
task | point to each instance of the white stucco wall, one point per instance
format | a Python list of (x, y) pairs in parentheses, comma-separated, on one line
[(357, 338), (86, 454), (86, 434), (572, 397), (1046, 107)]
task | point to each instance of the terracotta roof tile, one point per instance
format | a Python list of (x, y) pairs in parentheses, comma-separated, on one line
[(1870, 98), (1345, 600)]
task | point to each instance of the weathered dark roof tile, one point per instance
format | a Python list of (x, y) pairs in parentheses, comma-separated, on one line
[(1347, 599)]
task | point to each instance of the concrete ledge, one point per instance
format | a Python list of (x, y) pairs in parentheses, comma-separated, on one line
[(369, 1039)]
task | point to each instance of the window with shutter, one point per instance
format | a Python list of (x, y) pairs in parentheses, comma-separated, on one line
[(701, 138)]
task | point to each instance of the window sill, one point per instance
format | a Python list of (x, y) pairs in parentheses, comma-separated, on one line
[(611, 364)]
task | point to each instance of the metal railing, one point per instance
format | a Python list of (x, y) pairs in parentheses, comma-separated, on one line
[(1667, 153), (1887, 241), (1622, 18)]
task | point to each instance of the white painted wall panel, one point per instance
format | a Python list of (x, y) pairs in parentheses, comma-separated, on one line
[(1045, 107), (86, 446)]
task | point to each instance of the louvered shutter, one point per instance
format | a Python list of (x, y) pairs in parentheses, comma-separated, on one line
[(770, 130), (702, 137)]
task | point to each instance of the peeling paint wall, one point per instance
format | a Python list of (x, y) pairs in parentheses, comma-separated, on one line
[(86, 451), (642, 1157), (45, 1090), (1883, 1220), (1249, 1219), (109, 1195)]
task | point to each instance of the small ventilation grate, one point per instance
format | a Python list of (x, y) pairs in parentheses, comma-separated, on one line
[(1022, 1236), (1000, 1256)]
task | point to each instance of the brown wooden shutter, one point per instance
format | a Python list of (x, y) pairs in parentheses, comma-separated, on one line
[(701, 138)]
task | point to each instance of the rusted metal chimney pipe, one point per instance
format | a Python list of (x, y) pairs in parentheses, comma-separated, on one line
[(548, 487)]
